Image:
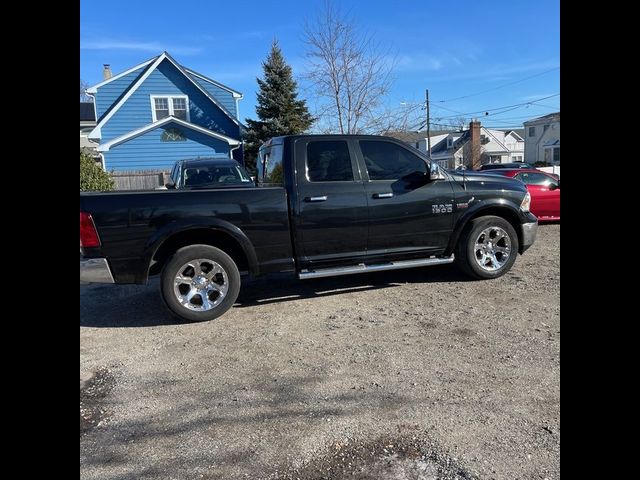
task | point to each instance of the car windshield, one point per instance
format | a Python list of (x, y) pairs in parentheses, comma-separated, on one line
[(214, 175)]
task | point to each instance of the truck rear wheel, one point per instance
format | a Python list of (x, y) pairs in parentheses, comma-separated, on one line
[(487, 247), (200, 283)]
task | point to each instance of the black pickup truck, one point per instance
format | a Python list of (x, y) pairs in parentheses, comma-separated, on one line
[(323, 205)]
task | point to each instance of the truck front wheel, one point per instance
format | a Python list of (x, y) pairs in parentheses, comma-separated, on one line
[(200, 283), (487, 247)]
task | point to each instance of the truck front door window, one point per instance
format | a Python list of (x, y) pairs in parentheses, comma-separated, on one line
[(388, 161), (329, 161)]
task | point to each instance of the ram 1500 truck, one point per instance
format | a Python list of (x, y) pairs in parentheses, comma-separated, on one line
[(323, 205)]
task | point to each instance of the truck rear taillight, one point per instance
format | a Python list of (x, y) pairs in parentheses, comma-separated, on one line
[(88, 233)]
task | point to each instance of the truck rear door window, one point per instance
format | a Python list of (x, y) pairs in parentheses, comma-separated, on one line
[(388, 161), (329, 161)]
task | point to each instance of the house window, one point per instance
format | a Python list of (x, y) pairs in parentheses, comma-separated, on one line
[(545, 128), (161, 108), (532, 131), (180, 108), (170, 105), (556, 155)]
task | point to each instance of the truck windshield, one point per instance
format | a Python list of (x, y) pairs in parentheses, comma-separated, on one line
[(214, 175)]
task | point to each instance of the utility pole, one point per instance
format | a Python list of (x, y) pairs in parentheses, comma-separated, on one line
[(428, 127)]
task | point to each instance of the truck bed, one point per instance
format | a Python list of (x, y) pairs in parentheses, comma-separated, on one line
[(132, 224)]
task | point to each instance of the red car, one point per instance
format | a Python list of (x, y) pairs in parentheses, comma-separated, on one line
[(543, 187)]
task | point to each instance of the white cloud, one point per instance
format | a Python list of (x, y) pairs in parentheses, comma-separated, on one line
[(418, 62), (154, 47), (499, 72)]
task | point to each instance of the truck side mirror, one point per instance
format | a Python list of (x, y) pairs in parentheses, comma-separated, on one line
[(170, 185), (435, 173)]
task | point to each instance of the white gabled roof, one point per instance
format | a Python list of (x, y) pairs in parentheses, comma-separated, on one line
[(514, 134), (95, 88), (97, 132), (494, 134), (147, 128)]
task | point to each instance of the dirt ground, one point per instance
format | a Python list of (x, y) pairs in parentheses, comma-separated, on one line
[(415, 374)]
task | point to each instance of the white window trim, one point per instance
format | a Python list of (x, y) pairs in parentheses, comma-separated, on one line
[(170, 102), (551, 148)]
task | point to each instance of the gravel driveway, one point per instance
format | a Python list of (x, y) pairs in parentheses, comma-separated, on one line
[(415, 374)]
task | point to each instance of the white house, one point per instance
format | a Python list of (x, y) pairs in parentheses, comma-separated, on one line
[(493, 146), (542, 139)]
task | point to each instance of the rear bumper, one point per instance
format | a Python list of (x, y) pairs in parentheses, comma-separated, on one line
[(529, 232), (95, 270)]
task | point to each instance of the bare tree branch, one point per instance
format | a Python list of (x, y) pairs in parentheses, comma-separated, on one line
[(84, 97), (349, 72)]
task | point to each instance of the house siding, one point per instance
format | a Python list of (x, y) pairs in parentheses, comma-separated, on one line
[(534, 146), (148, 151), (167, 80), (108, 94), (224, 97)]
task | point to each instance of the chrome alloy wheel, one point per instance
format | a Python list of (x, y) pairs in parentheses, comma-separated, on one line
[(492, 249), (201, 284)]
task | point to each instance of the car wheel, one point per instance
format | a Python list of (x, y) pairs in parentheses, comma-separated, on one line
[(487, 247), (200, 283)]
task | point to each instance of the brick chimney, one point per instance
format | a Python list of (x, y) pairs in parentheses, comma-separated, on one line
[(476, 148), (106, 71)]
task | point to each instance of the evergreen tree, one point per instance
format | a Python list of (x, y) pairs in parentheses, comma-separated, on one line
[(279, 110)]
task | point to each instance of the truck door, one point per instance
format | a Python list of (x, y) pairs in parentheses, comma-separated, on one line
[(331, 221), (410, 216)]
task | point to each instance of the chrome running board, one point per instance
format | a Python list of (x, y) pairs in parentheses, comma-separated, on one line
[(362, 268)]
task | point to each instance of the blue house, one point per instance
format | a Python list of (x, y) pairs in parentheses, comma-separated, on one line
[(158, 112)]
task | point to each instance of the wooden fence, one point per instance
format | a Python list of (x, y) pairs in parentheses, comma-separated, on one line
[(140, 179)]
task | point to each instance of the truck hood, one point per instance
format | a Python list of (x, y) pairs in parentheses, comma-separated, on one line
[(481, 181)]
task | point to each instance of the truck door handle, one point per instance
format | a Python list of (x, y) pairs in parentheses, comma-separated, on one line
[(382, 195), (315, 199)]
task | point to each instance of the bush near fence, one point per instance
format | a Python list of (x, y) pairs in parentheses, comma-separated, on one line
[(140, 179)]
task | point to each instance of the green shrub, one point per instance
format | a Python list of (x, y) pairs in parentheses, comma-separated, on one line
[(92, 177)]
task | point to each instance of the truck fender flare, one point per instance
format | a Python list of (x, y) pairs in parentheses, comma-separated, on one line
[(214, 224), (491, 207)]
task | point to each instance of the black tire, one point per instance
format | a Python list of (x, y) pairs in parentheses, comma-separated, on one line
[(229, 276), (468, 259)]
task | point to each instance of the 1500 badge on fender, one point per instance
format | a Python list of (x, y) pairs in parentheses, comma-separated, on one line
[(443, 208)]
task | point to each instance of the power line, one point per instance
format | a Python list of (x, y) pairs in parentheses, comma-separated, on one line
[(500, 86), (516, 105), (557, 107)]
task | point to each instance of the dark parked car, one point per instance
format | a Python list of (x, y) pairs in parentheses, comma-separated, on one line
[(493, 166), (323, 205), (208, 173)]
